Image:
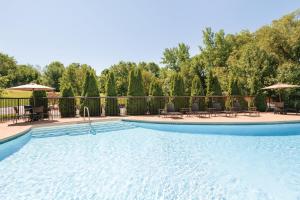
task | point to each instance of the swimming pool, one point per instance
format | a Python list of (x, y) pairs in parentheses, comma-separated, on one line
[(125, 160)]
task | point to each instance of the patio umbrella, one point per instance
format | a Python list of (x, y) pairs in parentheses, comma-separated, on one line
[(32, 87), (280, 86)]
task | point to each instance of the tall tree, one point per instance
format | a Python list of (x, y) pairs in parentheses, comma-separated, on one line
[(8, 65), (197, 90), (25, 74), (53, 73), (74, 75), (90, 89), (136, 104), (157, 100), (67, 103), (177, 91), (173, 58), (111, 104)]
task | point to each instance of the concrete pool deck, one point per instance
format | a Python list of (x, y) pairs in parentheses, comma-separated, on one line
[(9, 130)]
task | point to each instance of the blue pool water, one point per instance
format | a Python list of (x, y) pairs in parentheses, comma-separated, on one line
[(153, 161)]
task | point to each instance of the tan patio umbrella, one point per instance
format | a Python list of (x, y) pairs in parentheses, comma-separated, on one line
[(280, 86), (32, 87)]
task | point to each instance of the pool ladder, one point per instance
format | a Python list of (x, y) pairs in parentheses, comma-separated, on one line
[(91, 130)]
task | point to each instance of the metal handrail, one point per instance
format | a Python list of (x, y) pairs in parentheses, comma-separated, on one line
[(85, 108)]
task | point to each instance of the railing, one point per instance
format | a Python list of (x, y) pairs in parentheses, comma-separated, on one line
[(58, 107), (85, 108)]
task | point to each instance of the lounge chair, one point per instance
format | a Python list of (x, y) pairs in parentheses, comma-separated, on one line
[(215, 109), (39, 113), (194, 110), (239, 109), (19, 115), (169, 111)]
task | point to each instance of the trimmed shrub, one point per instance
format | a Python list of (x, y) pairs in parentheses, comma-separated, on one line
[(213, 89), (177, 91), (111, 104), (90, 89), (136, 105), (39, 99), (67, 102), (260, 101), (197, 90), (156, 103)]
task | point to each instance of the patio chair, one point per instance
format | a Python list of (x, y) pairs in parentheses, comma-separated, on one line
[(194, 110), (239, 109), (169, 111), (38, 113), (18, 114)]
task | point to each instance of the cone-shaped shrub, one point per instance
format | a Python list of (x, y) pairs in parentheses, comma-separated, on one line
[(111, 104), (234, 95), (177, 91), (157, 100), (260, 101), (136, 103), (213, 89), (197, 90), (67, 102), (90, 89)]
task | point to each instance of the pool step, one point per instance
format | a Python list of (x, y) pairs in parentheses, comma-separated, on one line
[(80, 129)]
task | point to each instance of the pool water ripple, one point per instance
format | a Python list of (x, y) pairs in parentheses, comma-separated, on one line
[(135, 162)]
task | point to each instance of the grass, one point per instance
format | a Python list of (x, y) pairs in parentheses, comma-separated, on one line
[(16, 94)]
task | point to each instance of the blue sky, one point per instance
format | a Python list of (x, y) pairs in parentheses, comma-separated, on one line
[(101, 33)]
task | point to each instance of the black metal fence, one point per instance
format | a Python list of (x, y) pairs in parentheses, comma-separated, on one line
[(56, 107)]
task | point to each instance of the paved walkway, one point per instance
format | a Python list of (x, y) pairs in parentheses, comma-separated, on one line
[(264, 117), (9, 130)]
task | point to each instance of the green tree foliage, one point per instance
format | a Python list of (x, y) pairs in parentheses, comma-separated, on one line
[(260, 101), (197, 90), (103, 80), (173, 58), (121, 73), (8, 65), (233, 89), (74, 75), (157, 100), (67, 104), (213, 85), (213, 89), (90, 89), (137, 105), (111, 104), (53, 73), (177, 90), (25, 74)]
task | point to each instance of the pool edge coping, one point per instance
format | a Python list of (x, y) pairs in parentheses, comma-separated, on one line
[(15, 136), (33, 126), (211, 123)]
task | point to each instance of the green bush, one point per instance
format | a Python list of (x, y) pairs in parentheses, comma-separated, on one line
[(177, 91), (213, 88), (156, 103), (90, 95), (136, 103), (260, 101), (39, 99), (197, 90), (111, 104), (67, 102)]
